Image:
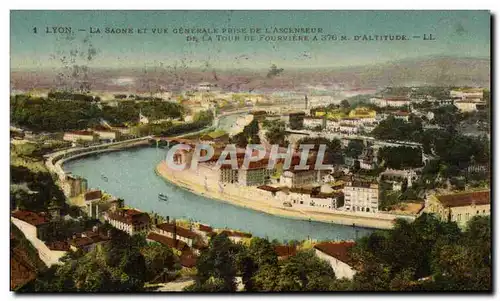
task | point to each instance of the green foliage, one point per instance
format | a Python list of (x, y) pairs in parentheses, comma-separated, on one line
[(398, 130), (354, 149), (333, 151), (302, 272), (249, 135), (160, 259), (40, 114), (425, 255), (41, 191), (217, 266), (276, 133), (400, 157), (116, 267)]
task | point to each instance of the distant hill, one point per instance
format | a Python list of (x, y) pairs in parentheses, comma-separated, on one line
[(438, 71)]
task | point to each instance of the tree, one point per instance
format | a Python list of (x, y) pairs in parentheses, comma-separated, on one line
[(354, 148), (218, 262), (302, 272), (159, 259)]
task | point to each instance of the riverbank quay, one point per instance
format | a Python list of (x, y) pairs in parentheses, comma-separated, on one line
[(54, 161), (245, 197)]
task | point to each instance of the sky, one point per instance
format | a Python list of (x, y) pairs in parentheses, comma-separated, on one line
[(456, 33)]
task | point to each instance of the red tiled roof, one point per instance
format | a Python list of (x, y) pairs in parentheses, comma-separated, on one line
[(93, 195), (285, 250), (58, 246), (169, 227), (32, 218), (129, 216), (465, 199), (205, 228), (179, 245), (339, 250)]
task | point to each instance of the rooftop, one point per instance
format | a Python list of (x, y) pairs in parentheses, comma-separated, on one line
[(465, 198), (93, 195), (285, 250), (32, 218), (169, 227), (339, 250), (175, 244), (129, 216), (205, 228)]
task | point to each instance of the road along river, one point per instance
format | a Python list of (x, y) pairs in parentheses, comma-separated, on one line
[(129, 174)]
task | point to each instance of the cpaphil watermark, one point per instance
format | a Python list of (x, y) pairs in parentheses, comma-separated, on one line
[(183, 156)]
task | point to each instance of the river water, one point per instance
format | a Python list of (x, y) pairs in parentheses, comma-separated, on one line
[(130, 176)]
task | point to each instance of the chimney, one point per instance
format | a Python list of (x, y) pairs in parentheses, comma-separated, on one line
[(168, 219)]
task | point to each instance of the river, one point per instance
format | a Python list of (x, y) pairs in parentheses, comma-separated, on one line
[(131, 176)]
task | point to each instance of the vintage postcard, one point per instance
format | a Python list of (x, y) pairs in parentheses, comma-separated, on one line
[(250, 151)]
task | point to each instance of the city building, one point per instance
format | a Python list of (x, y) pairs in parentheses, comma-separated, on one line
[(337, 255), (256, 174), (361, 197), (80, 136), (467, 93), (296, 178), (130, 221), (75, 185), (106, 134), (459, 207), (88, 240), (296, 120), (314, 122), (396, 101), (467, 105), (236, 236), (92, 198), (171, 230)]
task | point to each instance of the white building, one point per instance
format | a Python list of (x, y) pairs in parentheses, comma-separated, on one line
[(130, 221), (361, 197), (348, 129), (332, 125), (297, 178), (467, 93), (390, 101), (181, 233), (337, 255), (313, 122), (467, 105)]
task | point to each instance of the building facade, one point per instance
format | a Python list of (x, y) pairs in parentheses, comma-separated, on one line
[(459, 207), (361, 197), (130, 221)]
